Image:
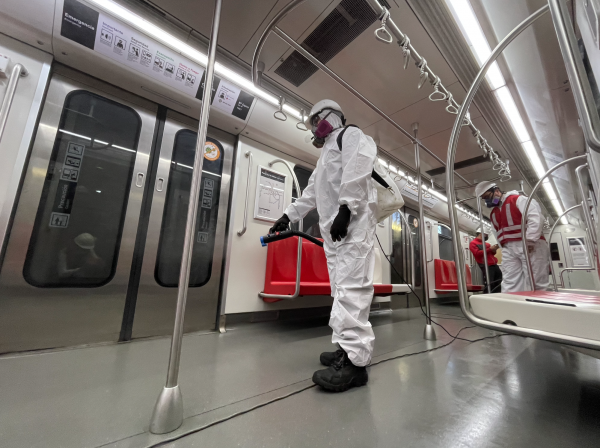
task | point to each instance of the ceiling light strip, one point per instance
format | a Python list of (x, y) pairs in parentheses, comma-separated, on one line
[(471, 29)]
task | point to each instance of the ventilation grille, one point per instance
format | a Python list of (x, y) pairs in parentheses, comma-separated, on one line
[(344, 24)]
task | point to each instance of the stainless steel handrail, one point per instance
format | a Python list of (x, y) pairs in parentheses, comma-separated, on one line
[(17, 72), (526, 210), (429, 333), (485, 258), (550, 242), (412, 249), (301, 228), (248, 155), (460, 270), (586, 209), (562, 280), (580, 85), (292, 43), (168, 410)]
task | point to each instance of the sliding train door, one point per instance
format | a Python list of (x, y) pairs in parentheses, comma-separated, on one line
[(157, 294), (66, 269)]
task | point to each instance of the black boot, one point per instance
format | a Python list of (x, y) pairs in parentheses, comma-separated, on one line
[(341, 375), (328, 358)]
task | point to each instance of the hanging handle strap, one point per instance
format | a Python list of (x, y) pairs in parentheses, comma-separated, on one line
[(437, 94), (280, 114), (382, 33), (301, 124)]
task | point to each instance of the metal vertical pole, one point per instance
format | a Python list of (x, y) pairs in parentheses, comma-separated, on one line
[(168, 411), (429, 332), (485, 262)]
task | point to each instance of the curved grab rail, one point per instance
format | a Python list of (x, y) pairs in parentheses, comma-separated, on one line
[(248, 155), (460, 270), (263, 38), (562, 280), (550, 241), (528, 203), (301, 228), (580, 85), (17, 72)]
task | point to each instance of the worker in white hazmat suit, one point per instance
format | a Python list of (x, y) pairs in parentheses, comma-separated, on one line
[(342, 190), (506, 217)]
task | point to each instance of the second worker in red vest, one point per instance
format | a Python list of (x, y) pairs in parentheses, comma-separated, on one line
[(506, 218)]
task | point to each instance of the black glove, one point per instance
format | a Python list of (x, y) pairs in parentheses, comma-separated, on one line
[(339, 228), (281, 224)]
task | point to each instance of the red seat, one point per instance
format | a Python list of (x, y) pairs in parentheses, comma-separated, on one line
[(446, 280), (280, 277)]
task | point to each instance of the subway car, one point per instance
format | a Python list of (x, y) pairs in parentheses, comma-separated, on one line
[(131, 248)]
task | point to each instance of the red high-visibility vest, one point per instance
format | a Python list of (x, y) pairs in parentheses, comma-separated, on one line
[(507, 220)]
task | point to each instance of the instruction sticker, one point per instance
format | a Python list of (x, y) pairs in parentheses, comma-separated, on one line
[(226, 97), (67, 185), (123, 44), (142, 54), (270, 194)]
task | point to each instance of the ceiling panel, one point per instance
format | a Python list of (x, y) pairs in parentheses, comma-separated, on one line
[(467, 145), (376, 69), (431, 116), (297, 24), (239, 20)]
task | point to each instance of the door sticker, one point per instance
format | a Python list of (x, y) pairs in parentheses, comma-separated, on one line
[(65, 192), (211, 151)]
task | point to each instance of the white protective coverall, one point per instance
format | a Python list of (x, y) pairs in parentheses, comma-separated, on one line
[(514, 269), (344, 177)]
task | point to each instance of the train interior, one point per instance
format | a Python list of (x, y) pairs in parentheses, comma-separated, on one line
[(102, 102)]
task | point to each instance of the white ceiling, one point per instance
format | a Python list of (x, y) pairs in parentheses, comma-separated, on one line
[(375, 69), (535, 70)]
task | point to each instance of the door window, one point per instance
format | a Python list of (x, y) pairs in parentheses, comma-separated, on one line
[(445, 243), (77, 232), (170, 249)]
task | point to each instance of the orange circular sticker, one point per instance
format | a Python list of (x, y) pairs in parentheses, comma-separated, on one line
[(211, 151)]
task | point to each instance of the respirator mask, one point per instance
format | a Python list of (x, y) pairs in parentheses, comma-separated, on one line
[(494, 201), (320, 131)]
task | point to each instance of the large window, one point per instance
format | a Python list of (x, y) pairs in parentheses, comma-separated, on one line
[(77, 231), (170, 250), (311, 220), (445, 242)]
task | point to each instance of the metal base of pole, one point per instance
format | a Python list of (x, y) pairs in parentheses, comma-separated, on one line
[(168, 411), (429, 333)]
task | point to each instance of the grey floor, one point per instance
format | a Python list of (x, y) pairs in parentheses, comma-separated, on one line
[(501, 392)]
